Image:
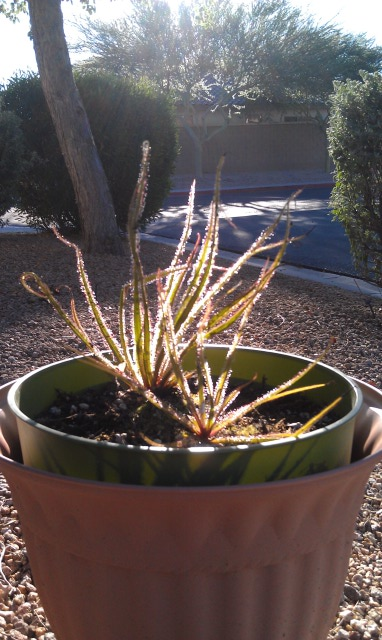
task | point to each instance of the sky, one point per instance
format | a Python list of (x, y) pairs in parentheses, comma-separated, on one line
[(16, 51)]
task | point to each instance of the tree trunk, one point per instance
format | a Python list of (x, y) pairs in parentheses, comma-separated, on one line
[(201, 138), (96, 210), (198, 150)]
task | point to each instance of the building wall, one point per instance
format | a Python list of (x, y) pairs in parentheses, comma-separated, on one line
[(261, 147)]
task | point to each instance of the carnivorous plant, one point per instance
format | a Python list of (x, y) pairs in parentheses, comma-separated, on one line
[(195, 301)]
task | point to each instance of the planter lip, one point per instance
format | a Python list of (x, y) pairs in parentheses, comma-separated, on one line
[(372, 393), (197, 449), (368, 461)]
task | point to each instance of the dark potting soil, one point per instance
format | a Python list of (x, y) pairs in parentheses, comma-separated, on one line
[(114, 414)]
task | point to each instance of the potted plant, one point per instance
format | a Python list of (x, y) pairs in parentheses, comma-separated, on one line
[(243, 559), (183, 426)]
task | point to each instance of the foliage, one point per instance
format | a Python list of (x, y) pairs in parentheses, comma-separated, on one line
[(262, 50), (12, 8), (355, 144), (226, 57), (11, 151), (44, 192), (121, 114), (192, 306)]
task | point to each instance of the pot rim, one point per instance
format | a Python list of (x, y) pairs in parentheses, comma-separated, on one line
[(161, 450), (373, 396)]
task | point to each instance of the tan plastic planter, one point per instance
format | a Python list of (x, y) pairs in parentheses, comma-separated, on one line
[(254, 562)]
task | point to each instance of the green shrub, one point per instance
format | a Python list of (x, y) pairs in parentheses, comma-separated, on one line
[(11, 151), (355, 144), (121, 115)]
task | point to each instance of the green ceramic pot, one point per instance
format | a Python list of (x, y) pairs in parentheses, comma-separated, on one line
[(49, 450)]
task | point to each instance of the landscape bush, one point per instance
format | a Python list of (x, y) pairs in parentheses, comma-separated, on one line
[(355, 144), (122, 115)]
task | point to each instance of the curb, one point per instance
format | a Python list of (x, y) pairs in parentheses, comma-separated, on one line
[(289, 185), (348, 283)]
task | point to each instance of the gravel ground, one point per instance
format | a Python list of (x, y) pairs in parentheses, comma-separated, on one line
[(293, 315)]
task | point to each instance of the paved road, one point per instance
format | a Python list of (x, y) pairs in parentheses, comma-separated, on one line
[(326, 246)]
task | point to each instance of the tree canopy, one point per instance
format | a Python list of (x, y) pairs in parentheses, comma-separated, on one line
[(214, 56), (11, 8), (259, 50)]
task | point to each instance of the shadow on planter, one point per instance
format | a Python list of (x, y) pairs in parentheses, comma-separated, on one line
[(317, 451)]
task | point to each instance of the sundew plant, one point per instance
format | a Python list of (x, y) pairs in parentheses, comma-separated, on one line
[(195, 300)]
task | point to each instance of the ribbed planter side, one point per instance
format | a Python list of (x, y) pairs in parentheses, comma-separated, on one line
[(250, 562), (253, 562)]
